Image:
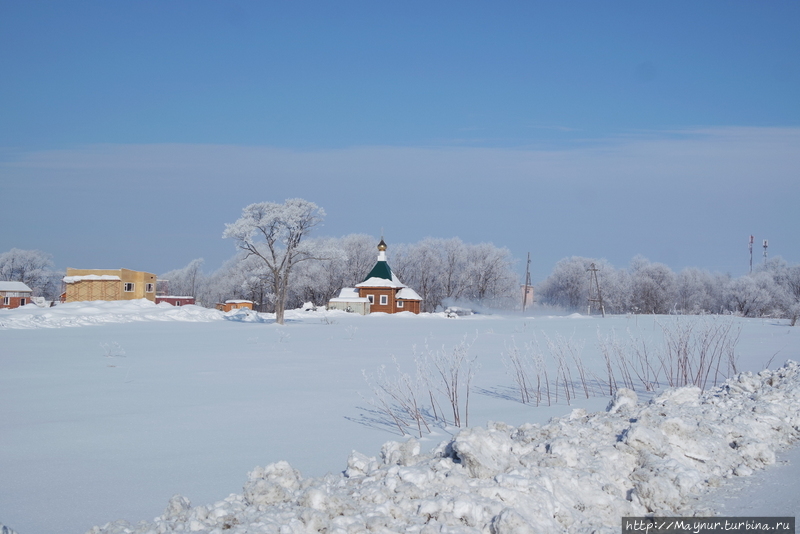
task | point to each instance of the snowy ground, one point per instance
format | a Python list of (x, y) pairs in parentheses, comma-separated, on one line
[(109, 409)]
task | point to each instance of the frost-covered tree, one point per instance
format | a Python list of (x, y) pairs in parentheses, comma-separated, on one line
[(319, 281), (186, 281), (33, 268), (751, 295), (359, 257), (454, 268), (236, 279), (568, 284), (774, 289), (443, 271), (490, 274), (792, 288), (652, 286), (615, 285), (699, 291), (419, 266), (274, 233), (785, 289)]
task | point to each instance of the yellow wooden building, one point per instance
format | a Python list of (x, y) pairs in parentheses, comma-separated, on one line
[(229, 305), (108, 284)]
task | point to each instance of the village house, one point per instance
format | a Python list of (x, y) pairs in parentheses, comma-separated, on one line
[(229, 305), (14, 294), (381, 291), (108, 284), (175, 300)]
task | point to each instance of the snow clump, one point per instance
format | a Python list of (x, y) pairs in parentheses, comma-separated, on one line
[(578, 473)]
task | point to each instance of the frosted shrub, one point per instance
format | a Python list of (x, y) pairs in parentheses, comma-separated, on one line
[(397, 398), (449, 373), (634, 361), (520, 368), (437, 394), (530, 373), (697, 352)]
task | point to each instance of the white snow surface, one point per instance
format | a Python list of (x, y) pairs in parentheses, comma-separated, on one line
[(103, 312), (140, 402), (578, 473)]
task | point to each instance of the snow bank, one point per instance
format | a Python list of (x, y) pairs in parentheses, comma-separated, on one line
[(102, 312), (578, 473)]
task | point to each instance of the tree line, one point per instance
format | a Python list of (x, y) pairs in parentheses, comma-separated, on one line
[(773, 289), (279, 266), (442, 271)]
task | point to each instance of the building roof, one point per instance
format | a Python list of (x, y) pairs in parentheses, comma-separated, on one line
[(10, 285), (408, 294), (381, 282), (104, 277), (381, 270), (381, 275), (348, 292)]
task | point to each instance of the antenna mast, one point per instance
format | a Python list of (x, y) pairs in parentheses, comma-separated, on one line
[(766, 244), (751, 254), (595, 296)]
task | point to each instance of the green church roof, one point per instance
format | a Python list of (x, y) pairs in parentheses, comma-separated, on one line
[(381, 270)]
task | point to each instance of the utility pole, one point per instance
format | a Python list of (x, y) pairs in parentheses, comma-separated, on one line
[(527, 287), (751, 254), (766, 244), (594, 291)]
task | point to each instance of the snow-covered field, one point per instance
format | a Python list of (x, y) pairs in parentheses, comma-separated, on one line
[(107, 410)]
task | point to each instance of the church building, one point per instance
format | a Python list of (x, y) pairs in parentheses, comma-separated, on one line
[(381, 291)]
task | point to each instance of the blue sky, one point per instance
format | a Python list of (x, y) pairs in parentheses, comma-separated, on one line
[(131, 132)]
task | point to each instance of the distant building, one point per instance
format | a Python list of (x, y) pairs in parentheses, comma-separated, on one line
[(14, 294), (229, 305), (349, 301), (174, 300), (108, 284), (383, 291), (527, 295)]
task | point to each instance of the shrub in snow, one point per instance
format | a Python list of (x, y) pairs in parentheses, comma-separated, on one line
[(578, 473), (440, 387)]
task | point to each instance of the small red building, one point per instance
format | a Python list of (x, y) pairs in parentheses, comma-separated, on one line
[(175, 301), (14, 294), (385, 292)]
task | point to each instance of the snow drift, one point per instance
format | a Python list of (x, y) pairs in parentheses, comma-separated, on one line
[(103, 312), (578, 473)]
